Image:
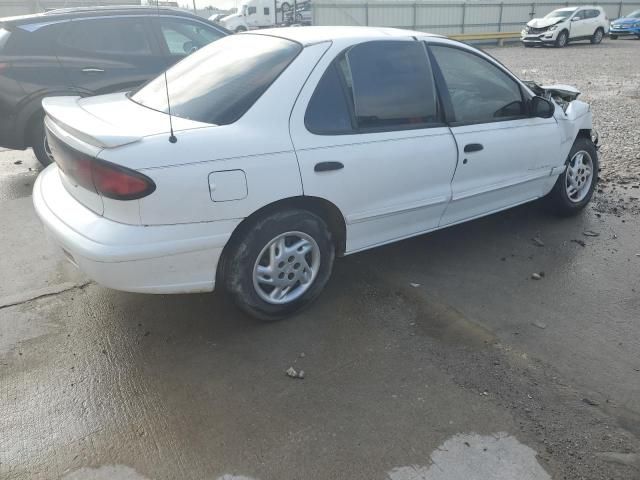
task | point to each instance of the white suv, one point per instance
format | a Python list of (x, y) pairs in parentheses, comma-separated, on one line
[(566, 25)]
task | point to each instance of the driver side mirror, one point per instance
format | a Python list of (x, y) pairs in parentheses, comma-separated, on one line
[(541, 107), (575, 19)]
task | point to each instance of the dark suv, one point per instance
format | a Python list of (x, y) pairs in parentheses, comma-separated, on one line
[(85, 51)]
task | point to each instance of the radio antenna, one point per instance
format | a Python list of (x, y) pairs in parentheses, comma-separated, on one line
[(172, 137)]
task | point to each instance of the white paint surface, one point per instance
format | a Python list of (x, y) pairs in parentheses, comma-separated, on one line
[(477, 457)]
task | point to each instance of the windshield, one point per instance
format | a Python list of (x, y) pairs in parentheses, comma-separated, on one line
[(220, 82), (562, 13), (635, 14)]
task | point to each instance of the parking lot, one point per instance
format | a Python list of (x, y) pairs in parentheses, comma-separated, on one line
[(437, 357)]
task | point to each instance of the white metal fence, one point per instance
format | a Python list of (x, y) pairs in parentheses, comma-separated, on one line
[(449, 17)]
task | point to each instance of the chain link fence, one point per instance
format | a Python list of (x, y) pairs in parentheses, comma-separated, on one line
[(450, 17)]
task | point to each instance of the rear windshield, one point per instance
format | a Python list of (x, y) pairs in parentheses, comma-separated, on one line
[(563, 13), (220, 82), (4, 36)]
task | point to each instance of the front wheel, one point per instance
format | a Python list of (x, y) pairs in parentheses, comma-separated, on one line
[(562, 39), (279, 264), (597, 36), (574, 188)]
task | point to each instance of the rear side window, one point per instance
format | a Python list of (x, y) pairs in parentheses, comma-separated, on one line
[(382, 85), (480, 91), (32, 40), (219, 83), (328, 111), (109, 36)]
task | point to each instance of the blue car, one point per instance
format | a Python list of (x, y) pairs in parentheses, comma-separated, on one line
[(625, 26)]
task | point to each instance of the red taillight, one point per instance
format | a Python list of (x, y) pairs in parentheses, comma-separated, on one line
[(106, 178), (120, 183)]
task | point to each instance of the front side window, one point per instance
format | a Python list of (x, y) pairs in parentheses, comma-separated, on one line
[(220, 82), (252, 10), (111, 36), (480, 91), (183, 37), (382, 85)]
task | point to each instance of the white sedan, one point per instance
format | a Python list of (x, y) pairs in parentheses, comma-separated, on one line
[(292, 146)]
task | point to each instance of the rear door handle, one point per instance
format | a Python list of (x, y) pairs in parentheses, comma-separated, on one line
[(327, 166), (473, 147), (92, 70)]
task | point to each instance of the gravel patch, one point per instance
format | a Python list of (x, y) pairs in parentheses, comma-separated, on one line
[(608, 76)]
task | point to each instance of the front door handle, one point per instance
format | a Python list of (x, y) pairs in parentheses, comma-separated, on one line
[(473, 147), (327, 166), (92, 70)]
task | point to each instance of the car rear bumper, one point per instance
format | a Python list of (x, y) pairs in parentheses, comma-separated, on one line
[(9, 138), (149, 259)]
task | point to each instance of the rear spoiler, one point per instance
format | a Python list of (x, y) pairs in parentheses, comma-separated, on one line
[(67, 114)]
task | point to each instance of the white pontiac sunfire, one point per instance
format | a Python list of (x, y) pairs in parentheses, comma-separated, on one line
[(296, 145)]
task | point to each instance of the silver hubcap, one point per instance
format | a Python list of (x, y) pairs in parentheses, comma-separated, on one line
[(286, 267), (579, 176), (563, 39), (598, 36)]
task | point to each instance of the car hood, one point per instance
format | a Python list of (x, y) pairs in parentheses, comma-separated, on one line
[(109, 121), (543, 22), (626, 21)]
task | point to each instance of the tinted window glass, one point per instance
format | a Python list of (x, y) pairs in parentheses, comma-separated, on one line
[(328, 111), (183, 37), (479, 90), (220, 82), (392, 84), (34, 40), (111, 36)]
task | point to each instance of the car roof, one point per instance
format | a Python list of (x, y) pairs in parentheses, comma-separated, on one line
[(311, 35), (79, 12)]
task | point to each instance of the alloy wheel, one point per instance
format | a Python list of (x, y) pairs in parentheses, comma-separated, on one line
[(286, 267), (579, 176)]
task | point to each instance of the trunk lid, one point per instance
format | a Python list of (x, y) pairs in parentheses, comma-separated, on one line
[(81, 128), (110, 121)]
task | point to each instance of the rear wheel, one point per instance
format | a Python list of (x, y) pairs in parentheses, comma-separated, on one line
[(597, 36), (279, 264), (574, 188), (38, 141), (563, 38)]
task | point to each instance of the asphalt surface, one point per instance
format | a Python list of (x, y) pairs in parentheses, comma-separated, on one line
[(434, 358)]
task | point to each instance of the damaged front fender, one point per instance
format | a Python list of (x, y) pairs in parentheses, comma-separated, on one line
[(572, 115)]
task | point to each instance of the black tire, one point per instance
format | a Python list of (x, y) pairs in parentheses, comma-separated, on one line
[(562, 40), (558, 199), (614, 37), (597, 36), (38, 140), (527, 45), (242, 256), (240, 29)]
